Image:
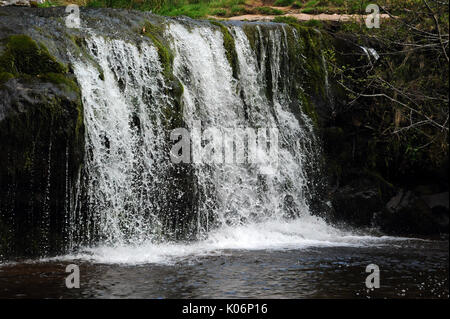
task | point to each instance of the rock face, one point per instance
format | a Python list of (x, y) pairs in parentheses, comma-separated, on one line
[(356, 207), (42, 145), (42, 149), (408, 213)]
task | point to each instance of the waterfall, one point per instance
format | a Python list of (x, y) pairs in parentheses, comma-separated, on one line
[(128, 177), (125, 162), (241, 193)]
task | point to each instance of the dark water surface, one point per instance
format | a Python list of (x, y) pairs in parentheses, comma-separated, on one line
[(408, 269)]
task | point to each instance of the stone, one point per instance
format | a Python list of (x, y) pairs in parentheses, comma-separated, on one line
[(355, 206), (406, 213), (435, 200)]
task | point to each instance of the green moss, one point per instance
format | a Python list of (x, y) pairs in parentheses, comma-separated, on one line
[(269, 11), (173, 113), (251, 33), (308, 107), (230, 48), (24, 56), (312, 42), (314, 23), (286, 19), (283, 3), (61, 79), (306, 48), (165, 55), (5, 76), (54, 119), (26, 59), (80, 50)]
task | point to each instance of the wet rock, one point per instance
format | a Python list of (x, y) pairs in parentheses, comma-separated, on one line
[(400, 201), (42, 145), (41, 135), (409, 214), (439, 204), (437, 200), (355, 206)]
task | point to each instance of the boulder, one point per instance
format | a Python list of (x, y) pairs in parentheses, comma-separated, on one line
[(409, 214), (355, 206)]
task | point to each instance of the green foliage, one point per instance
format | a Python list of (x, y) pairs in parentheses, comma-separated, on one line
[(226, 8), (332, 6), (202, 8), (237, 10), (219, 12), (268, 11), (314, 23), (401, 102), (294, 22), (296, 5), (286, 19), (144, 5), (51, 3), (193, 10), (283, 3)]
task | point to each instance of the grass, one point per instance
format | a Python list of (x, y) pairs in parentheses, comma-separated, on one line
[(193, 10), (332, 6), (228, 8), (283, 3), (204, 8), (268, 11)]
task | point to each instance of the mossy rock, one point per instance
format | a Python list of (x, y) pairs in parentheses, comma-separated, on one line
[(308, 107), (251, 33), (230, 48), (42, 146), (5, 76), (24, 56), (172, 113), (43, 142), (62, 80), (155, 33)]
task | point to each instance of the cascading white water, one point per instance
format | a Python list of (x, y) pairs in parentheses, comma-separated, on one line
[(125, 162), (127, 165), (241, 192)]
